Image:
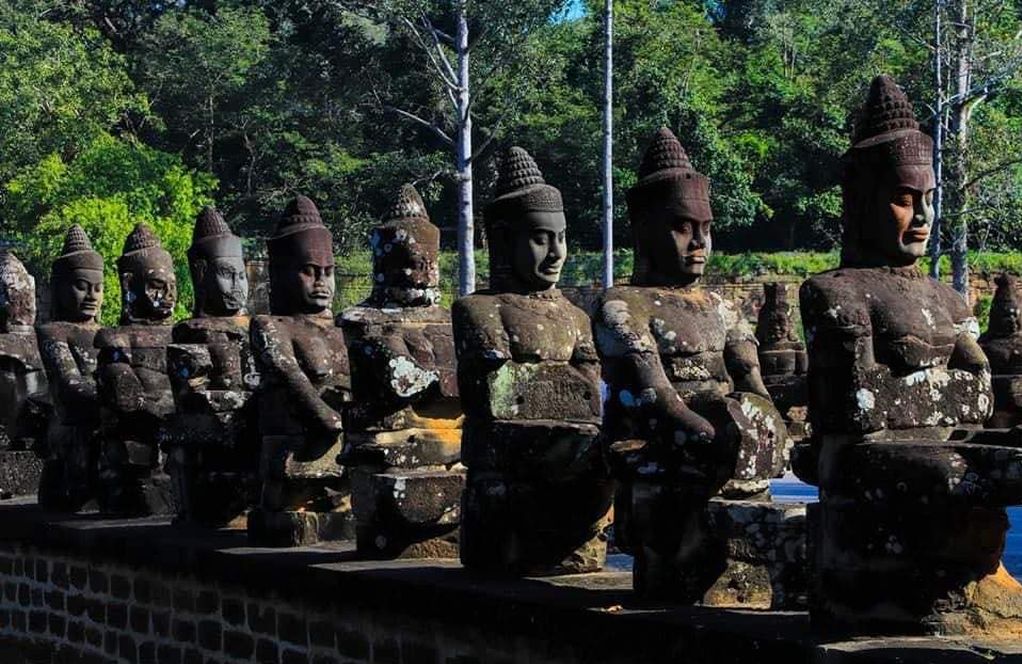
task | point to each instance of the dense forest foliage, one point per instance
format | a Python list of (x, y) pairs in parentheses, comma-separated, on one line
[(113, 111)]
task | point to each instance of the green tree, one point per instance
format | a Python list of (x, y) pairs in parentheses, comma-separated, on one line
[(111, 185)]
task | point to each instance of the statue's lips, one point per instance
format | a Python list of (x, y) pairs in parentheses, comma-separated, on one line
[(917, 235), (695, 260)]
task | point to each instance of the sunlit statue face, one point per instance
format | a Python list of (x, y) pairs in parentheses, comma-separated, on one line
[(677, 244), (538, 250), (897, 216), (225, 286), (153, 294), (80, 295)]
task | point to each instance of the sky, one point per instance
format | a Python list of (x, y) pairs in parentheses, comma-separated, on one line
[(576, 8)]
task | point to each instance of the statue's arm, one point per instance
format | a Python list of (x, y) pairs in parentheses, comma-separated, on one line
[(741, 355), (479, 335), (640, 382), (839, 343), (75, 390), (584, 356), (116, 381), (273, 345), (401, 376)]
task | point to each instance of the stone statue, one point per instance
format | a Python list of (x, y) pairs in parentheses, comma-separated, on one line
[(66, 343), (22, 380), (212, 445), (782, 357), (538, 498), (1002, 344), (910, 526), (301, 357), (687, 416), (403, 438), (134, 389)]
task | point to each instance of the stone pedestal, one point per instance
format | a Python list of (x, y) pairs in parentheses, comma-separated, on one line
[(908, 538)]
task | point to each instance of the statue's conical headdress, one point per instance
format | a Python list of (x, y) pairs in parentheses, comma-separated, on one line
[(886, 130), (405, 247), (1006, 308), (300, 234), (213, 237), (77, 254), (520, 188), (667, 179), (142, 246), (17, 294)]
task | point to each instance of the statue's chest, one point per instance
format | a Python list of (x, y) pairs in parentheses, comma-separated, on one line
[(320, 353), (682, 327), (911, 312), (539, 329)]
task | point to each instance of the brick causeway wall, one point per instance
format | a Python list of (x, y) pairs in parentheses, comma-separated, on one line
[(94, 611)]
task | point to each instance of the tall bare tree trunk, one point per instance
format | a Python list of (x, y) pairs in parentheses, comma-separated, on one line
[(463, 161), (938, 141), (608, 147), (961, 110)]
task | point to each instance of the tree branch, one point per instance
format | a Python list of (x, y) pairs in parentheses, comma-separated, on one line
[(448, 81), (992, 171), (437, 131)]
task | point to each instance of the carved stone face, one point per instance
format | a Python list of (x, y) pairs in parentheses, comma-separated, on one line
[(79, 295), (308, 288), (151, 292), (895, 227), (538, 249), (224, 288), (678, 245)]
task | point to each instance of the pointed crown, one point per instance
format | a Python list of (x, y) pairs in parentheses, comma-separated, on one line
[(212, 237), (141, 244), (407, 206), (76, 254), (301, 234), (209, 223), (299, 214), (886, 130), (666, 176), (141, 238), (521, 188)]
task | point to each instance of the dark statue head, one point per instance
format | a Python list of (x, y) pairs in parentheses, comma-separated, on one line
[(1006, 308), (301, 262), (887, 183), (405, 250), (148, 282), (217, 265), (669, 208), (76, 280), (526, 226), (17, 295)]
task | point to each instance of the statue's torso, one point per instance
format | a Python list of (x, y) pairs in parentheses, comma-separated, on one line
[(143, 348), (526, 357), (70, 356)]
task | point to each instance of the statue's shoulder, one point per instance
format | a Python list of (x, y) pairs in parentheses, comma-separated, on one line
[(835, 297), (55, 331), (112, 337), (478, 305), (953, 301), (634, 303)]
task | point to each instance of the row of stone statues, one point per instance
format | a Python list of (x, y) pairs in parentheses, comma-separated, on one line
[(515, 429)]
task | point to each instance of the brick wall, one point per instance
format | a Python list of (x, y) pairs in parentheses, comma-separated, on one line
[(80, 610)]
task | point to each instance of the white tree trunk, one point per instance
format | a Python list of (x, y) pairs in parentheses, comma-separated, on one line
[(958, 172), (463, 161), (608, 147), (938, 141)]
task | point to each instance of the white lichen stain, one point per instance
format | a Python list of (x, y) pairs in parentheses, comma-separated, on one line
[(865, 399), (407, 379)]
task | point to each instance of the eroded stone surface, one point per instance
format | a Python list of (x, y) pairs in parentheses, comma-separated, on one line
[(686, 414), (1002, 344), (134, 389), (782, 357), (306, 382), (212, 438), (404, 427), (909, 531), (67, 348), (538, 498)]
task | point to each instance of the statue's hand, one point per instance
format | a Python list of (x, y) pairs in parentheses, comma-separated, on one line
[(691, 428)]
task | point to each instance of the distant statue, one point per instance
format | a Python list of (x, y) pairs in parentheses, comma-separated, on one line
[(782, 357), (212, 439), (1002, 344), (22, 380), (134, 389), (911, 522), (67, 346), (538, 498), (687, 416), (301, 357), (403, 444)]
